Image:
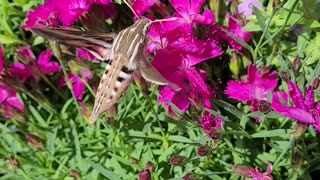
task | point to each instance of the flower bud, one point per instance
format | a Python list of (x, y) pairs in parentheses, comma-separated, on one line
[(299, 129), (35, 141), (144, 175), (190, 176), (285, 76), (242, 170), (12, 163), (178, 160), (134, 160), (296, 158), (296, 65), (263, 106), (74, 67), (150, 166), (316, 83), (85, 111), (74, 173), (203, 150)]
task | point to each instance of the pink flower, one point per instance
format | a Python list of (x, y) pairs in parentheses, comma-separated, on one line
[(54, 11), (246, 7), (68, 11), (255, 88), (305, 110), (141, 6), (85, 54), (9, 101), (255, 174), (188, 13), (31, 69), (78, 86), (45, 15)]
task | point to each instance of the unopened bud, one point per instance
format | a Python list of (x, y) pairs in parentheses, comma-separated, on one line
[(296, 159), (74, 67), (134, 160), (35, 141), (85, 111), (263, 106), (296, 65), (150, 166), (203, 150), (178, 160), (285, 76), (144, 175), (299, 129), (316, 83), (190, 176), (242, 170), (12, 163), (74, 173)]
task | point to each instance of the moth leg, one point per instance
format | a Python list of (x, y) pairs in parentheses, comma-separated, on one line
[(148, 72), (141, 83), (112, 111)]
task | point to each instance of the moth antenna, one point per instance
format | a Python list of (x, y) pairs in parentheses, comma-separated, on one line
[(164, 20), (135, 14)]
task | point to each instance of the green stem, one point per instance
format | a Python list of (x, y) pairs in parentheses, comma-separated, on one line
[(275, 48), (255, 54), (67, 79), (275, 164), (164, 138)]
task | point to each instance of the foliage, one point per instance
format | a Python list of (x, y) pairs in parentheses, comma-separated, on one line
[(214, 127)]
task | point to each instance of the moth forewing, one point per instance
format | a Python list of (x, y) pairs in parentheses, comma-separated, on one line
[(127, 55), (99, 44)]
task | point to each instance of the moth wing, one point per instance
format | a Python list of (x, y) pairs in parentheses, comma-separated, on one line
[(99, 44), (150, 74)]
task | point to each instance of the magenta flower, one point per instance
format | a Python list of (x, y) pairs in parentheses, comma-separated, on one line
[(246, 7), (45, 15), (187, 13), (141, 6), (255, 88), (305, 110), (30, 70), (85, 54), (78, 86), (253, 173), (64, 11), (9, 102)]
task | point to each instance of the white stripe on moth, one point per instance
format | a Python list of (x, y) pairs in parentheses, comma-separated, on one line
[(132, 44), (113, 93), (124, 75), (118, 84)]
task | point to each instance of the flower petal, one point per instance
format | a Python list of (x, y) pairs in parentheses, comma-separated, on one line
[(296, 95), (309, 98)]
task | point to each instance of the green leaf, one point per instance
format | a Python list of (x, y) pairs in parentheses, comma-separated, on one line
[(180, 139), (38, 117), (272, 133), (242, 43), (4, 39), (228, 107), (105, 172)]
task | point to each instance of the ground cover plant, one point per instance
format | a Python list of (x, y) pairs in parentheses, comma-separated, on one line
[(242, 102)]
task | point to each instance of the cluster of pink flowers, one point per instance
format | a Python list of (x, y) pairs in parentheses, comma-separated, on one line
[(9, 101), (176, 49)]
